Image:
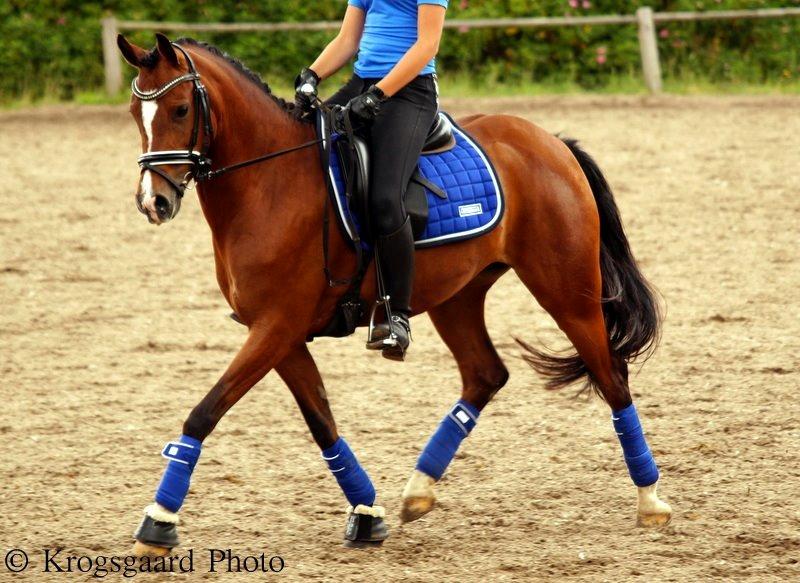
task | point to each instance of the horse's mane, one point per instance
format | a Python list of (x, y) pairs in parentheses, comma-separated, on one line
[(250, 75)]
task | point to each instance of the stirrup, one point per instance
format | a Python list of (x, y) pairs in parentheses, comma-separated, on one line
[(372, 342)]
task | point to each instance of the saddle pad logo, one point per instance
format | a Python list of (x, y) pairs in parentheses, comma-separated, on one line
[(470, 210)]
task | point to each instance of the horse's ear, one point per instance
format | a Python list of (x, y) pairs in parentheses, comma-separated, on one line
[(133, 54), (166, 49)]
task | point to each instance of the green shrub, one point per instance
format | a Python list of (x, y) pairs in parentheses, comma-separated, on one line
[(53, 47)]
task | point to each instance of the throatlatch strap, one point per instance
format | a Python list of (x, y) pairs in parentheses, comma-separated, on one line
[(641, 465), (444, 443)]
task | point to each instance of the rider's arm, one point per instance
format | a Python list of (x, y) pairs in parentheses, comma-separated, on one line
[(342, 48), (429, 33)]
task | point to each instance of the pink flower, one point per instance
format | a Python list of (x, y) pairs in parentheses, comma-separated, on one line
[(663, 33), (586, 4), (463, 29), (464, 4), (573, 3), (600, 59), (61, 21)]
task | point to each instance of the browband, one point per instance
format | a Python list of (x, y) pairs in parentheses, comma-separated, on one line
[(164, 89)]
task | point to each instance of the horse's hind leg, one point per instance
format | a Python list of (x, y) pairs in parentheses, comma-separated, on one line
[(365, 524), (460, 322), (567, 282)]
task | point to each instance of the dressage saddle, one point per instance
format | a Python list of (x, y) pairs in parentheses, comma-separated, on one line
[(353, 155)]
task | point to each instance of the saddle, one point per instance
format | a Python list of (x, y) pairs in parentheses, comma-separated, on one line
[(453, 195), (353, 158)]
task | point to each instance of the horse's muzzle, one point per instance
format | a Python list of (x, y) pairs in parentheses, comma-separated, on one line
[(158, 208)]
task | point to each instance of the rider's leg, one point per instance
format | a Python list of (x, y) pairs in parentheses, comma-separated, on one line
[(396, 140)]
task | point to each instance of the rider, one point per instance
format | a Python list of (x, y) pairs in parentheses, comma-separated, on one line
[(393, 96)]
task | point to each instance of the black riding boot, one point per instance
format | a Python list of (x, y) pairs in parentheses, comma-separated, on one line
[(396, 256)]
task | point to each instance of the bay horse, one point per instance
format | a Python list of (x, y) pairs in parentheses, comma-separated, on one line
[(561, 234)]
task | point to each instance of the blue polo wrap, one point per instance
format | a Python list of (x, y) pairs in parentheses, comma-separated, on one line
[(182, 456), (352, 478), (444, 443), (641, 465)]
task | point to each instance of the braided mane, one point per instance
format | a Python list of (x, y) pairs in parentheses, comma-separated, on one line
[(289, 108)]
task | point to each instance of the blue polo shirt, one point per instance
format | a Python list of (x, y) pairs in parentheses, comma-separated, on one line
[(390, 29)]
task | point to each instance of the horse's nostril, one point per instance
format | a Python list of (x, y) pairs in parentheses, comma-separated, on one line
[(163, 207)]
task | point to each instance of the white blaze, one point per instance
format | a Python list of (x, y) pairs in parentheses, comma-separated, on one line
[(149, 109)]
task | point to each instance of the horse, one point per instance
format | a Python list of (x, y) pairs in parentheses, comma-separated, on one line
[(561, 234)]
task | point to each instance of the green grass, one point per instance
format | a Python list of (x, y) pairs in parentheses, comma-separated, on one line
[(463, 86)]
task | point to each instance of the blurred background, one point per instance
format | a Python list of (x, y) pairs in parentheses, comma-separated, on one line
[(52, 50)]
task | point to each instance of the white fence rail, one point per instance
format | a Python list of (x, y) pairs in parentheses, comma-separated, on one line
[(645, 19)]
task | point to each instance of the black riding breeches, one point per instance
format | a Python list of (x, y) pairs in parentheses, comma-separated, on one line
[(395, 139)]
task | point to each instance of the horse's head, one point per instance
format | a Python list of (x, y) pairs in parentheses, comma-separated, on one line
[(171, 109)]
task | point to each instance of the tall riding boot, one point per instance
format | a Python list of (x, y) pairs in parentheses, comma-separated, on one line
[(396, 256)]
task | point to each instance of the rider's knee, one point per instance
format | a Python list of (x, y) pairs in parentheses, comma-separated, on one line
[(386, 216)]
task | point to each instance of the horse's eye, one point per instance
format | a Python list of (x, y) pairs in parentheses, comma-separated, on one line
[(181, 110)]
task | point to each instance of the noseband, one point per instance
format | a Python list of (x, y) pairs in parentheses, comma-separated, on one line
[(199, 161)]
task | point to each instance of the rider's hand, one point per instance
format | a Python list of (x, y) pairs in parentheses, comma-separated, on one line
[(365, 107), (305, 89)]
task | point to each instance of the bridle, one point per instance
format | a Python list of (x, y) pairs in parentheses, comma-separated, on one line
[(198, 160)]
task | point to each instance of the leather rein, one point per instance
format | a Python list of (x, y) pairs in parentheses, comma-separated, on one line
[(198, 160)]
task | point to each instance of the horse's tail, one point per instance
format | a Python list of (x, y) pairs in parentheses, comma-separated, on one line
[(630, 306)]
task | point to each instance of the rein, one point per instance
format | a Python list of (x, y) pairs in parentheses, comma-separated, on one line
[(201, 165), (198, 160)]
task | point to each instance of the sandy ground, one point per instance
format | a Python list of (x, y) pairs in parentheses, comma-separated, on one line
[(111, 330)]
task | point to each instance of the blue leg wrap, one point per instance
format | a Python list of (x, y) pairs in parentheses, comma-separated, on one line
[(352, 478), (641, 465), (182, 455), (444, 443)]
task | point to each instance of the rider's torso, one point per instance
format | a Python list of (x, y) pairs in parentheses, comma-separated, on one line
[(389, 31)]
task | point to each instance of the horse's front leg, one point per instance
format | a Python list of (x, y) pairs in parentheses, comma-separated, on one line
[(365, 524), (264, 348)]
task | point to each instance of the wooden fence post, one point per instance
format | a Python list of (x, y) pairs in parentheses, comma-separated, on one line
[(113, 70), (648, 46)]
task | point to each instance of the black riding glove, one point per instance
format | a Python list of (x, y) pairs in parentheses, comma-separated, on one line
[(305, 89), (366, 106), (362, 109)]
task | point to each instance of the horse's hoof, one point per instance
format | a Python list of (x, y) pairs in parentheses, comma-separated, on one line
[(653, 520), (365, 527), (414, 508), (156, 534), (141, 549), (362, 544), (418, 497), (652, 511)]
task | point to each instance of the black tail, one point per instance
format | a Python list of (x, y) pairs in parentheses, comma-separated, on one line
[(631, 310)]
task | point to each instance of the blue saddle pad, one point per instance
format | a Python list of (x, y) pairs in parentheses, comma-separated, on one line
[(474, 203)]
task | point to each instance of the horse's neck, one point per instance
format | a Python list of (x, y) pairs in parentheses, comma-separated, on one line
[(250, 125)]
